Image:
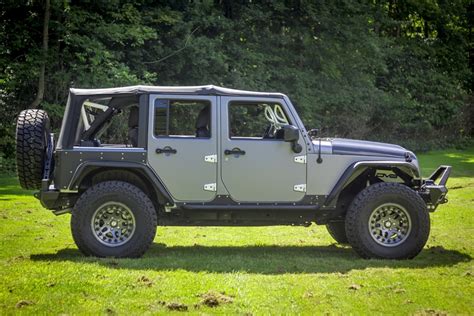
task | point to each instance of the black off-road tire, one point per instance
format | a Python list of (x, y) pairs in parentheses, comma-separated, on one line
[(32, 136), (375, 196), (114, 192), (337, 230)]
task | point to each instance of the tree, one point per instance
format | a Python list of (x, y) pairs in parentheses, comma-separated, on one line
[(397, 71), (44, 53)]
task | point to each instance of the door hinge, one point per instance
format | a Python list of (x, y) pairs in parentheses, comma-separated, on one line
[(210, 187), (299, 187), (210, 158), (300, 159)]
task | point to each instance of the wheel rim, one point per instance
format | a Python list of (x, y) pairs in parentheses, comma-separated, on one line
[(113, 224), (389, 225)]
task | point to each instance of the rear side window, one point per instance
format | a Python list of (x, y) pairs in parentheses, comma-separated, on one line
[(108, 122), (182, 118)]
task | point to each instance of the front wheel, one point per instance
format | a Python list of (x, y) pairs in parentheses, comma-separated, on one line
[(337, 230), (387, 221), (113, 219)]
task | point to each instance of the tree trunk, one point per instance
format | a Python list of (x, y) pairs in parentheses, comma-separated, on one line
[(44, 56)]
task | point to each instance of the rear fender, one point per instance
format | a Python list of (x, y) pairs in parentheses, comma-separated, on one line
[(86, 171)]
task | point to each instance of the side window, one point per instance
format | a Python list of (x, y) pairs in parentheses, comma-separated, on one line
[(111, 121), (256, 120), (118, 130), (182, 118)]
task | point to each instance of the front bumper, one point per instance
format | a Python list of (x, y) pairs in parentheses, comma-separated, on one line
[(433, 190)]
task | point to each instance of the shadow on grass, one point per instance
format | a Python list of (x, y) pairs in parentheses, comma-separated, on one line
[(10, 186), (258, 259)]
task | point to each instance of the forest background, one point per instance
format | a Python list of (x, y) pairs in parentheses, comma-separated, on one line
[(384, 70)]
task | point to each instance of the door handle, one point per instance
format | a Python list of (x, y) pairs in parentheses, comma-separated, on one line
[(234, 151), (166, 150)]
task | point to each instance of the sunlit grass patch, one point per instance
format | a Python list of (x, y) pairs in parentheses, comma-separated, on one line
[(229, 270)]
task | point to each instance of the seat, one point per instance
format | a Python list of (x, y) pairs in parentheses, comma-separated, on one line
[(133, 126), (202, 123)]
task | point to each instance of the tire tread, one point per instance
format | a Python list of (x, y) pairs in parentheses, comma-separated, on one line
[(31, 126), (122, 188), (372, 192)]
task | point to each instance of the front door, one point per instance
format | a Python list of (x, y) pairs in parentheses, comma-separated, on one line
[(257, 164), (182, 144)]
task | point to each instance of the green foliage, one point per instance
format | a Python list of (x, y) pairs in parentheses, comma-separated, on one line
[(183, 116), (7, 165), (116, 131), (382, 70)]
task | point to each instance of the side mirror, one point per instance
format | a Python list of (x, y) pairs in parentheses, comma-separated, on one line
[(292, 134)]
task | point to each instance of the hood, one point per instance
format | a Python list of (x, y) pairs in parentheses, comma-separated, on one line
[(374, 150), (341, 146)]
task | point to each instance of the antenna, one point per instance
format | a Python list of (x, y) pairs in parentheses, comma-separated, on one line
[(319, 160)]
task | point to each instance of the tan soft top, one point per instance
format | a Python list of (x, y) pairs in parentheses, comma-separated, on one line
[(202, 90)]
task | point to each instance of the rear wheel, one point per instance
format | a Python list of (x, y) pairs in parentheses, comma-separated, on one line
[(337, 230), (32, 137), (113, 219), (387, 221)]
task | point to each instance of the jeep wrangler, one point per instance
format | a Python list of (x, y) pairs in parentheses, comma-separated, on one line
[(129, 159)]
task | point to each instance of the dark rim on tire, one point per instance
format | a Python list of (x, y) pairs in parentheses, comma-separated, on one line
[(113, 224), (389, 224)]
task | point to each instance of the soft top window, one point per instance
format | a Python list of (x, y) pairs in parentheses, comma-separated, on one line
[(111, 121)]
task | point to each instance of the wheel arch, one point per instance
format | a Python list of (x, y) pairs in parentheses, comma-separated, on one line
[(354, 178), (93, 172)]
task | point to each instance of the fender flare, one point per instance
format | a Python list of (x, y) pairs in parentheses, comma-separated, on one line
[(142, 170), (356, 169)]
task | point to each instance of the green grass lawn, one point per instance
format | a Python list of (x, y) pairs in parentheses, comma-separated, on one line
[(264, 270)]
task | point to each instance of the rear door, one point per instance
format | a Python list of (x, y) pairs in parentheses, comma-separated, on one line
[(255, 165), (180, 150)]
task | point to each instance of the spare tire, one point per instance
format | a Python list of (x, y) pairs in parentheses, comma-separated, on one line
[(32, 137)]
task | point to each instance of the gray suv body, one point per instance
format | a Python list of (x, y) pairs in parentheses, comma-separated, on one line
[(207, 155)]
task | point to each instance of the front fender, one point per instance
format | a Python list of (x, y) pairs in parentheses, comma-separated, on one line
[(402, 168)]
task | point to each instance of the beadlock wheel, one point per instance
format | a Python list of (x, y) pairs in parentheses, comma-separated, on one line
[(113, 219), (389, 224), (387, 221), (113, 224)]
